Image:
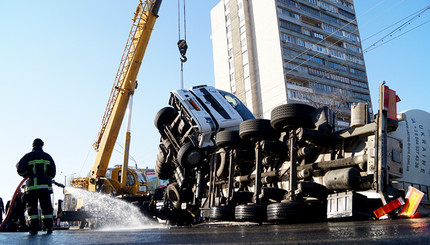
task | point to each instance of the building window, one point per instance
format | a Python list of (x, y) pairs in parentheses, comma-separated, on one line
[(354, 59), (308, 45), (309, 10), (246, 70), (300, 42), (327, 7), (306, 32), (232, 76), (329, 18), (290, 2), (316, 60), (241, 16), (318, 35), (345, 3), (291, 26), (242, 29), (289, 14), (296, 54), (245, 57), (364, 97), (314, 2), (243, 43), (337, 66), (248, 97), (351, 37), (320, 49), (346, 14), (231, 65), (357, 72), (294, 67), (358, 83), (233, 85), (352, 47), (336, 54), (287, 38), (332, 30), (247, 83)]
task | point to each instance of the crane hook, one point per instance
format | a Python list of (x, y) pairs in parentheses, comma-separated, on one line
[(182, 45)]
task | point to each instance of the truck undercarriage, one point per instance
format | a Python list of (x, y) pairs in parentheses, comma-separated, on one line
[(294, 167)]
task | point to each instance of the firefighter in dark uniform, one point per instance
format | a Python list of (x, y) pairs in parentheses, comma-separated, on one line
[(39, 167)]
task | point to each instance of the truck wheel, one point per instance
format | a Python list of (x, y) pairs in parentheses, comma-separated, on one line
[(173, 195), (163, 170), (189, 155), (285, 212), (258, 129), (250, 212), (221, 213), (230, 138), (288, 116), (164, 116)]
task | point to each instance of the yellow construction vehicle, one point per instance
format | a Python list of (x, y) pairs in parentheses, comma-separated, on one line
[(122, 180)]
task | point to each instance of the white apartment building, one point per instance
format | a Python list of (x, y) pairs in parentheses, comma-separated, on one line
[(271, 52)]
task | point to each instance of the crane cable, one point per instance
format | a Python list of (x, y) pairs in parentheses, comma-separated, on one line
[(182, 43)]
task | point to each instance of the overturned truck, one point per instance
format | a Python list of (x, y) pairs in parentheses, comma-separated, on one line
[(223, 164)]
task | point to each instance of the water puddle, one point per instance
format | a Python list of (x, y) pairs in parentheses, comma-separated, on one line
[(112, 213)]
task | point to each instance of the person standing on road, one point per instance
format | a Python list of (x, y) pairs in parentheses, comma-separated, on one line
[(39, 167)]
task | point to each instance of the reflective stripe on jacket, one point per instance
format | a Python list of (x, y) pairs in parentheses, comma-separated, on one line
[(39, 167)]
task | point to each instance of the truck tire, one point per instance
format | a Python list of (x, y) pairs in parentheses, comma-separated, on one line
[(291, 116), (250, 212), (163, 170), (173, 195), (258, 129), (230, 138), (225, 213), (189, 155), (164, 116), (285, 212)]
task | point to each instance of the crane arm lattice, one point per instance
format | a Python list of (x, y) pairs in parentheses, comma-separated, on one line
[(143, 10)]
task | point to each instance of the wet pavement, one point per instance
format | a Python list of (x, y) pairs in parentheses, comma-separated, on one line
[(405, 231)]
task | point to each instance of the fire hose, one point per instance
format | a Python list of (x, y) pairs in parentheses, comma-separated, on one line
[(12, 202)]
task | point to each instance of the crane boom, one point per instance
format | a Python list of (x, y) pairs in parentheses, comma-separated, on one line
[(125, 84)]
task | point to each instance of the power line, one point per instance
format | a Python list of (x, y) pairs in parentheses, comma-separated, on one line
[(370, 49), (406, 23), (425, 8)]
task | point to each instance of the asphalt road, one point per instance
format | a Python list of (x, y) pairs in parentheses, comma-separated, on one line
[(404, 231)]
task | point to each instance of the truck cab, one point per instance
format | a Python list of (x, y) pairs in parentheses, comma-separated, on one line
[(196, 115), (136, 184), (188, 129)]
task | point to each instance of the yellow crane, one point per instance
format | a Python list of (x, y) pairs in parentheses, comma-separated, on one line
[(119, 100)]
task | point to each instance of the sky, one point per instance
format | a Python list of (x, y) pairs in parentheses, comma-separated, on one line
[(58, 61)]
